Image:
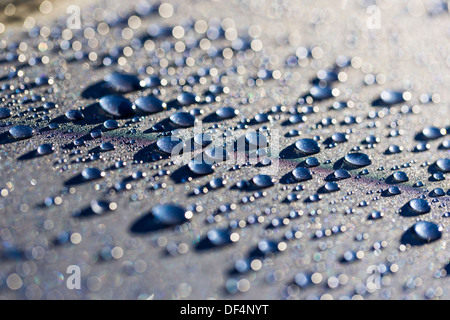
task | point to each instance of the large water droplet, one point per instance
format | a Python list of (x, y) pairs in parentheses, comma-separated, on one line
[(427, 231), (168, 214), (92, 174), (200, 167), (302, 174), (183, 119), (122, 82), (169, 144), (443, 165), (21, 132), (5, 113), (262, 181), (150, 104), (226, 113), (307, 146), (116, 105), (357, 159), (419, 206)]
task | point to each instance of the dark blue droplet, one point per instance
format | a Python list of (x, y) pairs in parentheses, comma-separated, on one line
[(122, 82), (183, 119), (420, 206), (341, 174), (107, 146), (307, 146), (390, 97), (256, 139), (150, 104), (110, 124), (226, 113), (45, 149), (393, 191), (217, 154), (170, 144), (5, 113), (200, 167), (443, 165), (427, 231), (74, 115), (186, 98), (375, 215), (203, 139), (21, 132), (169, 215), (357, 159), (116, 105), (218, 237), (331, 187), (302, 174), (312, 162), (399, 177), (432, 133), (262, 181), (339, 137), (321, 93), (92, 174)]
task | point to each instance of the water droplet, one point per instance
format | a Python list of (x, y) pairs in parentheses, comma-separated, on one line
[(437, 192), (339, 137), (169, 144), (74, 115), (390, 97), (256, 139), (321, 93), (200, 167), (110, 124), (21, 132), (203, 139), (107, 146), (183, 119), (116, 105), (101, 206), (217, 183), (169, 215), (357, 159), (375, 215), (427, 231), (217, 154), (431, 133), (226, 113), (393, 149), (45, 149), (262, 181), (312, 162), (307, 146), (443, 165), (302, 174), (218, 237), (399, 177), (341, 174), (122, 82), (5, 113), (393, 191), (92, 174), (150, 104), (419, 206), (331, 187), (186, 98)]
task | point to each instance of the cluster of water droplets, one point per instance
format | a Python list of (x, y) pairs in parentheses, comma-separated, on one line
[(121, 134)]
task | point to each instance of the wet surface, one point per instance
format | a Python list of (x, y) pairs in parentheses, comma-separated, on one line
[(95, 124)]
